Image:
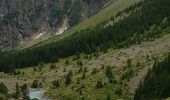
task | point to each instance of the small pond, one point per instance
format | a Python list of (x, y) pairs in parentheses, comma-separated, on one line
[(37, 94)]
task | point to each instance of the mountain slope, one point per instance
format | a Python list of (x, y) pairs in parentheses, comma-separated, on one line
[(157, 80), (105, 14), (121, 31), (107, 61), (22, 20), (142, 56)]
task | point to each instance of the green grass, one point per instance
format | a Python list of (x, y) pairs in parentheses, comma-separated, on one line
[(89, 82), (105, 14)]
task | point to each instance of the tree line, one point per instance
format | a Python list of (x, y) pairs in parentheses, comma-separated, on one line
[(156, 84), (145, 21)]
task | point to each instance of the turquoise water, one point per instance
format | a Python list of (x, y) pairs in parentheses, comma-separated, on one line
[(37, 94)]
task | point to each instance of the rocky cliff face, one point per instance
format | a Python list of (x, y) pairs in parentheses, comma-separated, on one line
[(22, 19)]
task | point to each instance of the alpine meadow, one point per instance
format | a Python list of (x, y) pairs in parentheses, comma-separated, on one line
[(85, 50)]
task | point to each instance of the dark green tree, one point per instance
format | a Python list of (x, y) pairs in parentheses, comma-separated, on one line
[(35, 84), (17, 89), (109, 74), (3, 89), (99, 84), (156, 84), (56, 83), (68, 78)]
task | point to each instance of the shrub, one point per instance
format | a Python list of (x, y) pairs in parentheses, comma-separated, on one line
[(109, 74), (68, 78), (94, 71), (56, 83), (3, 89), (35, 84), (52, 66), (66, 62), (99, 84)]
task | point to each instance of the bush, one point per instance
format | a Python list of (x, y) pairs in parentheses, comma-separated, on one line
[(99, 84), (35, 84), (66, 62), (2, 97), (80, 69), (84, 74), (94, 71), (108, 97), (128, 74), (109, 74), (118, 91), (80, 63), (68, 78), (3, 89), (56, 83), (52, 66)]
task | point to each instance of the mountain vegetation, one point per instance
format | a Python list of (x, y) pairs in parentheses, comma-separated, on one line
[(124, 57), (143, 21), (3, 91), (156, 84)]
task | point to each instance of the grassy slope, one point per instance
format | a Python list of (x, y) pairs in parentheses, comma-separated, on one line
[(116, 58), (103, 15)]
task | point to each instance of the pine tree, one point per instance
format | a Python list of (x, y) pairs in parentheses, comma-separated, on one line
[(68, 78), (17, 93), (84, 74), (67, 62), (3, 89), (35, 84), (108, 97), (109, 74), (99, 84), (56, 83)]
